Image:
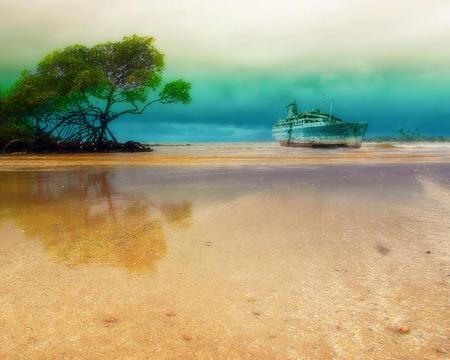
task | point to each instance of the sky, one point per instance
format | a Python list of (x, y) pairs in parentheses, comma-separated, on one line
[(381, 61)]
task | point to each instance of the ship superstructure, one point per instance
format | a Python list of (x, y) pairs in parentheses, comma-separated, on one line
[(314, 128)]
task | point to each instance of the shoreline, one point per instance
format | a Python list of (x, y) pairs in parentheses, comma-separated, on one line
[(164, 159), (33, 162)]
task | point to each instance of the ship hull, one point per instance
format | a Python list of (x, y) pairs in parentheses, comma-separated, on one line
[(321, 144), (342, 134)]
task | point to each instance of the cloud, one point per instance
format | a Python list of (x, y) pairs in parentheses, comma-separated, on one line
[(384, 61), (333, 34)]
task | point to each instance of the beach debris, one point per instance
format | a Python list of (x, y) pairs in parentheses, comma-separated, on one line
[(110, 321), (256, 313), (442, 350), (383, 250), (171, 313), (428, 252), (341, 270), (403, 330), (187, 337)]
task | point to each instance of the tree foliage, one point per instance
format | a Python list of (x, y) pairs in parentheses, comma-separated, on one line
[(12, 127), (75, 93)]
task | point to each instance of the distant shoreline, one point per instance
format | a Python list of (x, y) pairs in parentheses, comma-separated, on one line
[(168, 144), (381, 139)]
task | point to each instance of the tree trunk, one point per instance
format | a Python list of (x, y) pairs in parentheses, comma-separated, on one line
[(111, 134), (102, 134)]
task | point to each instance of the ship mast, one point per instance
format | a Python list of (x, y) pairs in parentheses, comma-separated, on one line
[(331, 107)]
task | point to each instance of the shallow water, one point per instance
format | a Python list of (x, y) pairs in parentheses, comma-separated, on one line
[(251, 262)]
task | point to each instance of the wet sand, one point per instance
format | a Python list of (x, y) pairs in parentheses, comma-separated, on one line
[(347, 261), (242, 154)]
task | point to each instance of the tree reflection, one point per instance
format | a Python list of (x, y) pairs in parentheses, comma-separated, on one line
[(81, 218), (178, 214)]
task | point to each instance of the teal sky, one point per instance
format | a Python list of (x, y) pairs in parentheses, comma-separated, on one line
[(382, 61)]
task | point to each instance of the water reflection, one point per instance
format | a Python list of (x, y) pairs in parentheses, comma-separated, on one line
[(81, 217), (178, 214)]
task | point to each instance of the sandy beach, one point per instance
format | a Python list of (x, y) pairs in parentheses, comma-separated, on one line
[(250, 252)]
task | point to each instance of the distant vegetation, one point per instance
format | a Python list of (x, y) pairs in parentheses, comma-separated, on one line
[(407, 136), (73, 95)]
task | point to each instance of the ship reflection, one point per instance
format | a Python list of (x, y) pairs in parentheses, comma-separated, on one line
[(82, 218)]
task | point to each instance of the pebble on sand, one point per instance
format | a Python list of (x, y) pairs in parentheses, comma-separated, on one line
[(403, 330), (110, 321)]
